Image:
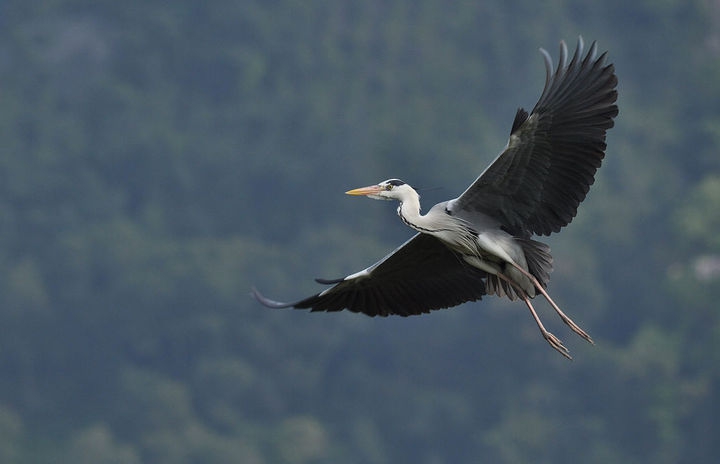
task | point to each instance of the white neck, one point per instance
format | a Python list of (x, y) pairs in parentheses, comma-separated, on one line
[(409, 212), (453, 231)]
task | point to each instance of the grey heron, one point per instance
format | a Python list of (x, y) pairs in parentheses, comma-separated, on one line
[(480, 243)]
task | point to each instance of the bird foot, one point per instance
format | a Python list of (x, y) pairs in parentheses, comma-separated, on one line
[(557, 344), (575, 328)]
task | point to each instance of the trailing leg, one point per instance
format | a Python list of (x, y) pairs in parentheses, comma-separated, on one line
[(575, 328), (551, 339)]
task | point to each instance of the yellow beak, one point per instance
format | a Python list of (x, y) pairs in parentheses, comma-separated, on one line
[(369, 190)]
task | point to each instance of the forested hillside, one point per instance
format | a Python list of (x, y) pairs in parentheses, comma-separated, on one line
[(158, 159)]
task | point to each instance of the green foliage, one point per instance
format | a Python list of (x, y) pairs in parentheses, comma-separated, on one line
[(160, 158), (699, 218)]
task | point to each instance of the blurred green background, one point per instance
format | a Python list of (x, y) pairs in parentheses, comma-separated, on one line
[(157, 159)]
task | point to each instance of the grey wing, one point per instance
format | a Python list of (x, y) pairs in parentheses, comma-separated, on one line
[(421, 275), (537, 183)]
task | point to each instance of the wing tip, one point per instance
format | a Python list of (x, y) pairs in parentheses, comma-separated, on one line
[(267, 302), (578, 54)]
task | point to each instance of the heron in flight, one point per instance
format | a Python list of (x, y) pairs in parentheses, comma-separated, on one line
[(480, 243)]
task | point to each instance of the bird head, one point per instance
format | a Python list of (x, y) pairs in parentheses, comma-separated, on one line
[(391, 189)]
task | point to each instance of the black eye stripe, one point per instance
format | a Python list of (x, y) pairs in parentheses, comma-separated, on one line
[(395, 182)]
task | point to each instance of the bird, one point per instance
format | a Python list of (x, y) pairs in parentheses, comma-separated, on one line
[(483, 242)]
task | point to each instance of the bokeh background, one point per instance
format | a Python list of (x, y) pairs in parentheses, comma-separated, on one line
[(158, 159)]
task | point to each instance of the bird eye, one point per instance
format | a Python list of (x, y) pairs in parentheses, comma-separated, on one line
[(389, 187)]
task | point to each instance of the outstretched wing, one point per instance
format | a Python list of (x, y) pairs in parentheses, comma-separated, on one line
[(538, 181), (421, 275)]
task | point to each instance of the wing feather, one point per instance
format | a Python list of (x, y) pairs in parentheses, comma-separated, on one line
[(537, 183), (421, 275)]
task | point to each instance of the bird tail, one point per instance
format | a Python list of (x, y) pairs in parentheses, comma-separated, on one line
[(539, 260), (500, 288)]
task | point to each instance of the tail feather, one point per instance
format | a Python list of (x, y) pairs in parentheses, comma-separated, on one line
[(539, 260), (500, 288)]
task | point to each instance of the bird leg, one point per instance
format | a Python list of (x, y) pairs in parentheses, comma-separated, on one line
[(575, 328), (551, 339)]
